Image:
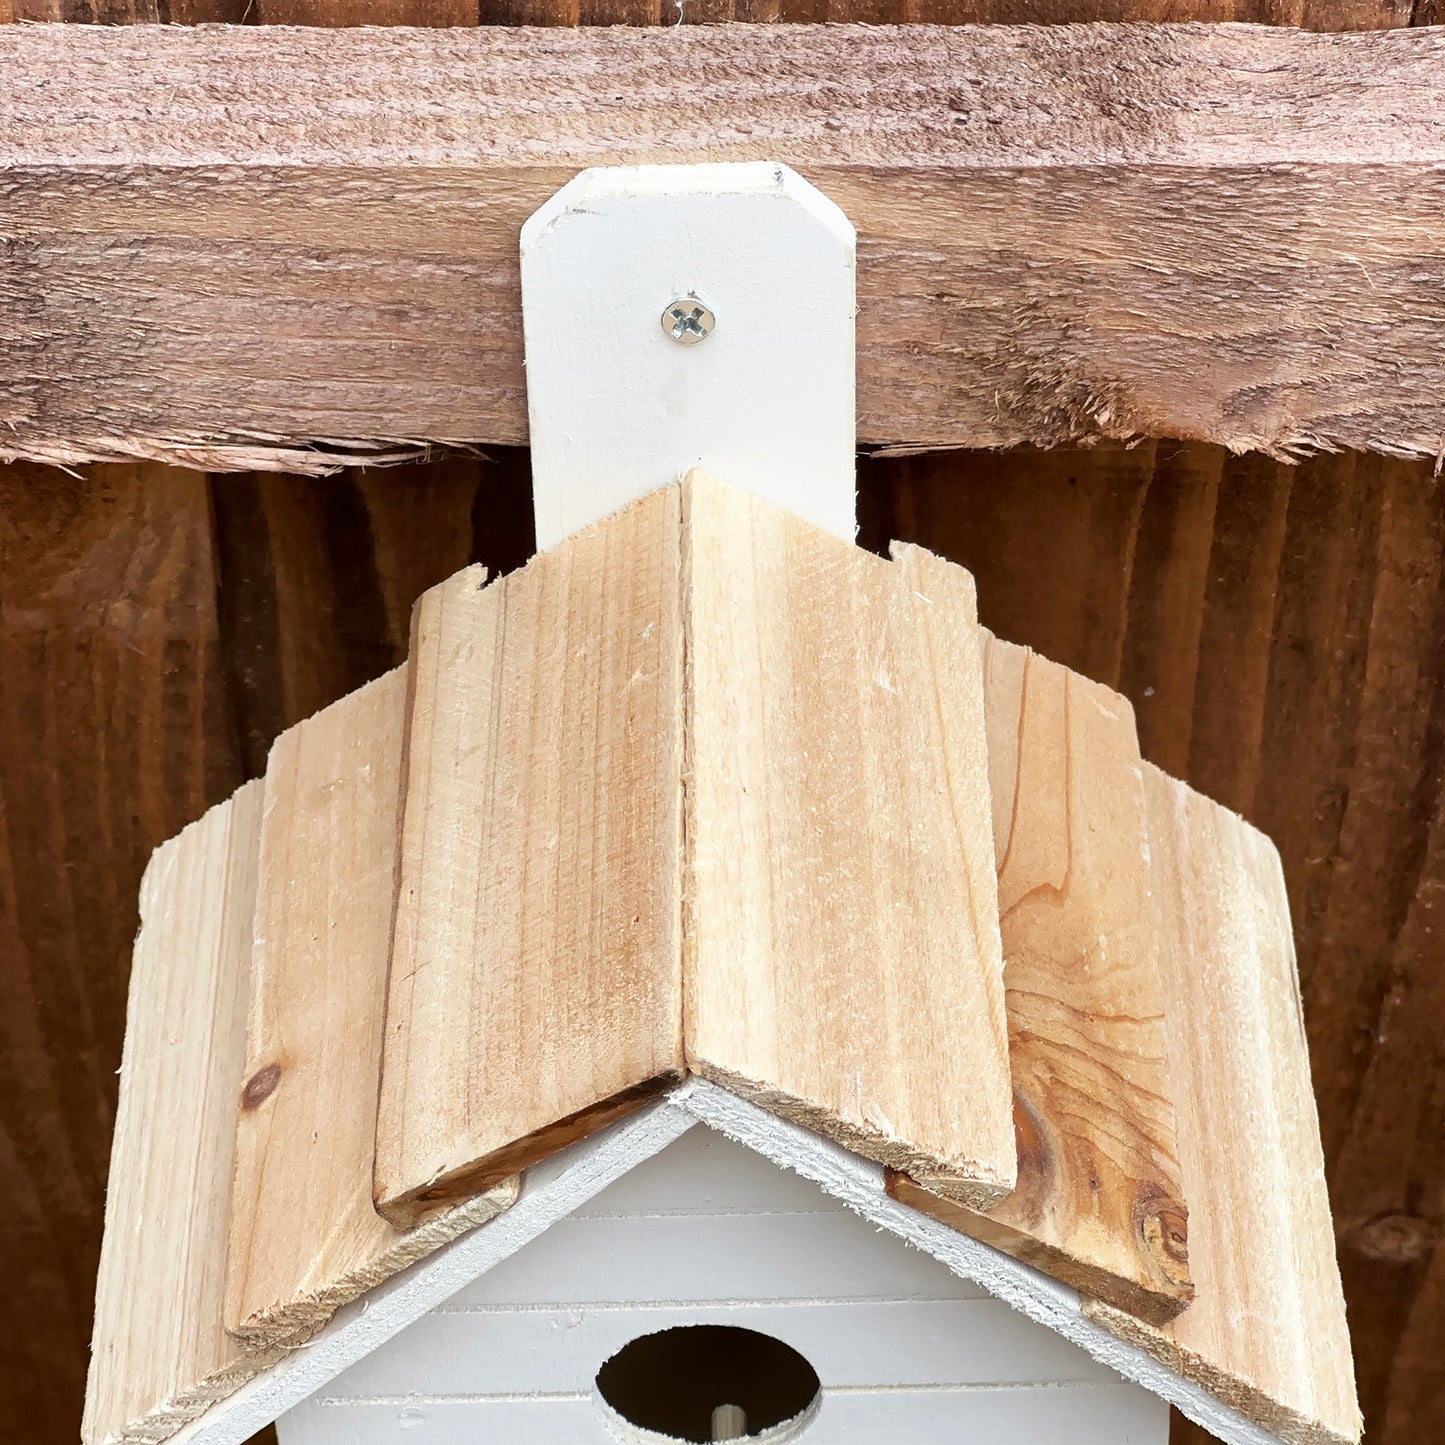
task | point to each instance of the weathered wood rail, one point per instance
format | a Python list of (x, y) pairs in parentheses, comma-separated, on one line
[(270, 247)]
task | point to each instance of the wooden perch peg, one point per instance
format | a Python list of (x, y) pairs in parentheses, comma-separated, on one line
[(729, 1422)]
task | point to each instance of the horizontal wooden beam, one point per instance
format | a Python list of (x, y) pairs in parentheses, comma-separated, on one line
[(243, 247)]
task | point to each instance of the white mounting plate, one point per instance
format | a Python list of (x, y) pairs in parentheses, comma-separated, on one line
[(617, 408)]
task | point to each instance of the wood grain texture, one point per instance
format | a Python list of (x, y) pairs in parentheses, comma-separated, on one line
[(1266, 1332), (1323, 15), (1099, 1202), (438, 13), (304, 1236), (842, 963), (113, 735), (147, 747), (160, 1352), (534, 979), (1277, 630), (149, 615), (343, 272)]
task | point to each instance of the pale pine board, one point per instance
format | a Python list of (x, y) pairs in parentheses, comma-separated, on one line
[(842, 962), (1266, 1333), (535, 965), (160, 1353), (305, 1237), (1099, 1202)]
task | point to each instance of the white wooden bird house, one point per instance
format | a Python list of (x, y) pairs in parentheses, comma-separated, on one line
[(708, 1294), (714, 990)]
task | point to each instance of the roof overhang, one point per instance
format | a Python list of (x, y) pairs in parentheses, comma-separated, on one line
[(560, 1185)]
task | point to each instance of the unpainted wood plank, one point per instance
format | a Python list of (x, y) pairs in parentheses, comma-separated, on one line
[(1037, 263), (304, 1236), (535, 963), (1099, 1202), (1266, 1333), (367, 12), (842, 962), (160, 1352)]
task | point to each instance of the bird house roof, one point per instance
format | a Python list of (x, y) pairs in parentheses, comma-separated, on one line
[(705, 815)]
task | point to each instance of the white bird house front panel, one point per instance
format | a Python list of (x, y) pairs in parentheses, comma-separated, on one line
[(709, 1295)]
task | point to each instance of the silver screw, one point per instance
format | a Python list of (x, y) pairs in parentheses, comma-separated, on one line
[(687, 321)]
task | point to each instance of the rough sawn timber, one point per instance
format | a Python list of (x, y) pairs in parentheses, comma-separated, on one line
[(1065, 233), (304, 1237), (820, 934), (1099, 1202), (842, 963), (160, 1353), (534, 990), (1266, 1333)]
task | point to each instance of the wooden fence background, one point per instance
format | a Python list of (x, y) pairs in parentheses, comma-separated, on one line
[(1280, 631)]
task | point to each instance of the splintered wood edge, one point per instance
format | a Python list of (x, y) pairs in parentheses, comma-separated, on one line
[(1153, 1306), (1282, 1421), (300, 1319), (964, 1180), (415, 1206), (562, 1184)]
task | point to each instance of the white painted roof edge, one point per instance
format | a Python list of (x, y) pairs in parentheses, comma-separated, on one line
[(554, 1189), (858, 1183), (550, 1192)]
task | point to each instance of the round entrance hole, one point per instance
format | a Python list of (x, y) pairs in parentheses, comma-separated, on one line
[(708, 1382)]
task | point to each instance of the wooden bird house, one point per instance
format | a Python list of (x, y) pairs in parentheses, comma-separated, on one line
[(715, 989), (708, 817)]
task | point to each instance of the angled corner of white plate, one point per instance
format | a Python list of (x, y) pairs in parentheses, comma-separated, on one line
[(618, 408)]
